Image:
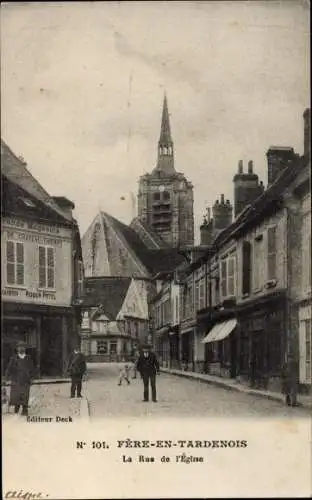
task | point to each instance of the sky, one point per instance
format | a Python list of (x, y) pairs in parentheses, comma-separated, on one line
[(82, 86)]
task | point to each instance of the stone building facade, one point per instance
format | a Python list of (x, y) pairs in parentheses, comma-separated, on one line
[(41, 270)]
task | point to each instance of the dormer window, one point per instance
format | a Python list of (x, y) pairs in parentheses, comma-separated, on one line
[(27, 202)]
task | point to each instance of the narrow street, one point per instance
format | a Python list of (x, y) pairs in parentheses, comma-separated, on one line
[(177, 397)]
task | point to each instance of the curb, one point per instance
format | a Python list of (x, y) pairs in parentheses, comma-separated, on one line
[(84, 409), (48, 382), (224, 385)]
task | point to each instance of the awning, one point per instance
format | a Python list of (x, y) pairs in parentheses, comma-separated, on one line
[(220, 331)]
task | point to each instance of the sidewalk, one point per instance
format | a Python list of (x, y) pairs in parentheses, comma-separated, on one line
[(52, 400), (233, 385)]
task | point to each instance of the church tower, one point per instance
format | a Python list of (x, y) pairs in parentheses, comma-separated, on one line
[(165, 199)]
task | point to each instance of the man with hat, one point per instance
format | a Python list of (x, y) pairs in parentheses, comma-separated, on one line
[(148, 366), (20, 371), (77, 367)]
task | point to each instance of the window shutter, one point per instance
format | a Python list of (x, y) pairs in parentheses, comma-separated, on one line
[(10, 254), (246, 268), (271, 253), (223, 279), (42, 267)]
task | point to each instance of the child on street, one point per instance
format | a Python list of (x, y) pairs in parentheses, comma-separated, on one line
[(124, 374)]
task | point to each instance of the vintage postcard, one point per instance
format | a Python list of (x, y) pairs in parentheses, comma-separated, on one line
[(156, 250)]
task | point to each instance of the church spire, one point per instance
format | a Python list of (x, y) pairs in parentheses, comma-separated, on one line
[(165, 144), (165, 133)]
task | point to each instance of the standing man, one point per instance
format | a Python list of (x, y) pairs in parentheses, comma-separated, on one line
[(77, 368), (20, 371), (148, 366)]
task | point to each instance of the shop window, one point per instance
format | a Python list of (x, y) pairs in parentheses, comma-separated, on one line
[(271, 253), (46, 267), (113, 347), (101, 347), (15, 263)]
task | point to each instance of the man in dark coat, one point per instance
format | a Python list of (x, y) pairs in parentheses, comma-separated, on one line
[(148, 366), (77, 367), (20, 371), (290, 382)]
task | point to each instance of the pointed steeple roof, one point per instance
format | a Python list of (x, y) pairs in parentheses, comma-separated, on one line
[(165, 162), (165, 132)]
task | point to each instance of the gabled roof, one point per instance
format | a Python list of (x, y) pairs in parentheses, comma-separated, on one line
[(157, 260), (108, 292), (15, 170), (157, 241)]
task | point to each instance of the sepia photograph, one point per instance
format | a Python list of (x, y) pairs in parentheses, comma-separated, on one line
[(156, 249)]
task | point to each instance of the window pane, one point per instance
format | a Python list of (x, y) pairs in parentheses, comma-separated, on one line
[(42, 259), (272, 266), (50, 277), (231, 290), (42, 277), (10, 251), (10, 273), (20, 274), (20, 253), (231, 267), (50, 252)]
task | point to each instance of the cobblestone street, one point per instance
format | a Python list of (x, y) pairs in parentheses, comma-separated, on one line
[(177, 397)]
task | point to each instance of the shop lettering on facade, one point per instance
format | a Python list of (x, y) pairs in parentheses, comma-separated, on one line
[(36, 295), (35, 226), (33, 238)]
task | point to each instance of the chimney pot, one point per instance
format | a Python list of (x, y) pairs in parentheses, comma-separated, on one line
[(222, 198), (240, 166), (250, 167)]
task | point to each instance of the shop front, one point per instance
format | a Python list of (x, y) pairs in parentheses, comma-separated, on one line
[(174, 345), (49, 333), (163, 346), (187, 338), (221, 342), (262, 342)]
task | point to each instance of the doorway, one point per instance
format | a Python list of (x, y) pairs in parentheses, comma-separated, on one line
[(51, 359)]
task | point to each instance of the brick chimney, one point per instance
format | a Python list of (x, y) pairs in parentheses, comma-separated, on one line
[(246, 187), (278, 159), (307, 132), (222, 212), (206, 230), (65, 205)]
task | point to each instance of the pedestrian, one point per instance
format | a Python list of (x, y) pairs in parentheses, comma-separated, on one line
[(290, 382), (77, 368), (20, 371), (148, 366), (124, 374)]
